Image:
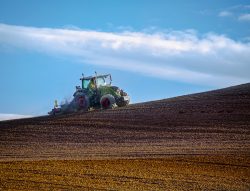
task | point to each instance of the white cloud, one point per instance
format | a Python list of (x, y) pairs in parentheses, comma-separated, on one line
[(4, 116), (244, 17), (236, 12), (185, 56), (225, 14), (239, 7)]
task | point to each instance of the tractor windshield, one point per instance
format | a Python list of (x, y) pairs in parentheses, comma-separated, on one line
[(100, 81), (103, 81)]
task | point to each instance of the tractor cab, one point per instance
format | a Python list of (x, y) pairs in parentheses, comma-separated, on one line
[(94, 82)]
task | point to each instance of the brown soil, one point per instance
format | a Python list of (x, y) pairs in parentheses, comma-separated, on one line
[(194, 142)]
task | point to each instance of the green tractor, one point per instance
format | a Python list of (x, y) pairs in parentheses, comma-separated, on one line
[(96, 92)]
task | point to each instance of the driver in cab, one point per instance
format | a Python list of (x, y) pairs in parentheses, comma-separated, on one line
[(91, 85)]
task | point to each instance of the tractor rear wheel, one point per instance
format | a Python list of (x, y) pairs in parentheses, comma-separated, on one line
[(107, 101), (83, 102)]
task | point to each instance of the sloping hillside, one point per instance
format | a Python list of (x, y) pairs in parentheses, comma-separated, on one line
[(198, 141), (210, 122)]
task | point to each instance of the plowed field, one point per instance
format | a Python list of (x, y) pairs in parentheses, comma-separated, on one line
[(193, 142)]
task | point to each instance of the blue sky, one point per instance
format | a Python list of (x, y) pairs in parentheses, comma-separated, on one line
[(154, 49)]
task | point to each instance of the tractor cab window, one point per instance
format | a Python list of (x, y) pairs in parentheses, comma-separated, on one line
[(85, 84), (100, 81), (103, 81)]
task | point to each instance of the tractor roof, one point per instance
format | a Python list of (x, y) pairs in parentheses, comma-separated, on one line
[(91, 77)]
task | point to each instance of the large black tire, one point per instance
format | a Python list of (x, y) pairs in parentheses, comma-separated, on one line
[(82, 102), (107, 101)]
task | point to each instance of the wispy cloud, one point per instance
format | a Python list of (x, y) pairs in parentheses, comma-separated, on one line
[(238, 7), (185, 56), (4, 116), (244, 17), (225, 14), (236, 12)]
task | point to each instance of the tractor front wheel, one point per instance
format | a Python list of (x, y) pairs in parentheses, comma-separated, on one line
[(107, 101)]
